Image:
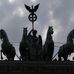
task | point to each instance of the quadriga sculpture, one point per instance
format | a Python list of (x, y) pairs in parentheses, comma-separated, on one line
[(67, 48), (48, 47), (7, 49)]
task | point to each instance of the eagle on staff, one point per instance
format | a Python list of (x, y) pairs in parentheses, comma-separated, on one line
[(32, 9)]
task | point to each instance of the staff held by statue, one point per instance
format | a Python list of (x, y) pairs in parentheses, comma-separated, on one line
[(32, 16)]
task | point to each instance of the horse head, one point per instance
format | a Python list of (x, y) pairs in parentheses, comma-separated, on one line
[(2, 33), (25, 31), (50, 30), (24, 34), (70, 37)]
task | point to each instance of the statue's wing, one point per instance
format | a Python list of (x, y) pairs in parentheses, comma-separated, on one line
[(27, 7), (40, 40), (36, 7)]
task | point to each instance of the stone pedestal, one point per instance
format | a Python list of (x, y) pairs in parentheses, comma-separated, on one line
[(20, 67)]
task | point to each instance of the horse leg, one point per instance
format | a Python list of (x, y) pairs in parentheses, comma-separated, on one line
[(50, 55), (59, 58), (13, 56), (65, 58), (13, 53), (1, 55)]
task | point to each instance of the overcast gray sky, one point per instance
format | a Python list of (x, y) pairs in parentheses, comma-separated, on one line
[(58, 13)]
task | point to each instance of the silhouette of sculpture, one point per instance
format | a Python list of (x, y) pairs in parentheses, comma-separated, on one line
[(35, 45), (7, 49), (24, 47), (32, 17), (34, 42), (30, 45), (39, 50), (67, 48), (48, 47), (32, 10)]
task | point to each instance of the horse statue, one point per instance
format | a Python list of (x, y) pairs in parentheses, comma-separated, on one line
[(7, 49), (24, 47), (48, 47), (67, 48)]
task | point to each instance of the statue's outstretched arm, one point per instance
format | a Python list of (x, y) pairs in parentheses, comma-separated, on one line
[(30, 32)]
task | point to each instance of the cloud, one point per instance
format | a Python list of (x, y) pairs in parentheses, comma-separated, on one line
[(33, 1), (19, 12), (11, 1)]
